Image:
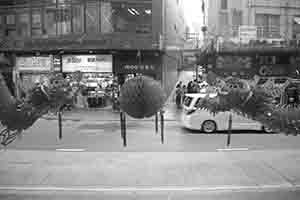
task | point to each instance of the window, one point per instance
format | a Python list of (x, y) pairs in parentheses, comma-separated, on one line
[(237, 20), (132, 17), (36, 20), (77, 20), (92, 16), (223, 20), (106, 17), (187, 101), (2, 31), (50, 25), (10, 21), (23, 23), (224, 4), (268, 26), (64, 19)]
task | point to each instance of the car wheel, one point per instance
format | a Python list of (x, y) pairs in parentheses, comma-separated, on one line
[(267, 129), (209, 126)]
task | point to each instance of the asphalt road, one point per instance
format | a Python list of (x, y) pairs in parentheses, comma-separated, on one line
[(104, 136), (187, 195)]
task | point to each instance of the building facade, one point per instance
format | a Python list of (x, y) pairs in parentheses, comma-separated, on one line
[(110, 38), (276, 19)]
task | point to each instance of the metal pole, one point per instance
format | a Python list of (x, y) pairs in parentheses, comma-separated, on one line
[(121, 122), (196, 73), (229, 130), (59, 124), (162, 126), (156, 123), (124, 131)]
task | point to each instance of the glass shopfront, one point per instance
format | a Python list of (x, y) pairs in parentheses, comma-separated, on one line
[(97, 78)]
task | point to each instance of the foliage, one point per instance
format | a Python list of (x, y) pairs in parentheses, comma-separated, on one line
[(17, 115), (141, 97)]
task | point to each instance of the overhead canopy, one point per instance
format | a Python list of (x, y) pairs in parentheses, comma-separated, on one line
[(297, 20)]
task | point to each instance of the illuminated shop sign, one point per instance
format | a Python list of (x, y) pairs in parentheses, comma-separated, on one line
[(139, 67), (36, 63), (87, 63)]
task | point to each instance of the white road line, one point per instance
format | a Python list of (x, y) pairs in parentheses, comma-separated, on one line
[(71, 150), (234, 149), (150, 189)]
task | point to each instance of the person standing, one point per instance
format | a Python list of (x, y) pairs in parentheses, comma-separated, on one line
[(184, 91)]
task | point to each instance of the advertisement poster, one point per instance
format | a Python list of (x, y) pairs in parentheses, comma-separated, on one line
[(34, 64), (87, 63)]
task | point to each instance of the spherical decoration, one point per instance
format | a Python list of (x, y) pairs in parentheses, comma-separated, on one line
[(141, 97)]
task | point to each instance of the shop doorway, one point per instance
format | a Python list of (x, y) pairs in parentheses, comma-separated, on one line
[(96, 90)]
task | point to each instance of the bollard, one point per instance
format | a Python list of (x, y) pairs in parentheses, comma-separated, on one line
[(156, 123), (229, 130), (59, 124), (124, 131), (162, 126)]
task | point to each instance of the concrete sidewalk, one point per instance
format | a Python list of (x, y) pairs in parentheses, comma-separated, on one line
[(107, 114), (50, 170)]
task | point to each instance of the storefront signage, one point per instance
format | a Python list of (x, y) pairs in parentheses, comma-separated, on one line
[(272, 70), (36, 63), (87, 63), (139, 67)]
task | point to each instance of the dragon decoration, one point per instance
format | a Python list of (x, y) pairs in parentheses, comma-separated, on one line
[(253, 101), (19, 115)]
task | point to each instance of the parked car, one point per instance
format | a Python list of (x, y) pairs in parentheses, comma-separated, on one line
[(198, 119)]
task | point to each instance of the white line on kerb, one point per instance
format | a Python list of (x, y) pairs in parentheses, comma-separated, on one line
[(71, 150), (150, 189), (234, 149)]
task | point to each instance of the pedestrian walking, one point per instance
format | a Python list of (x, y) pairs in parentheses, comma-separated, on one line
[(184, 91), (190, 87), (179, 84), (178, 96)]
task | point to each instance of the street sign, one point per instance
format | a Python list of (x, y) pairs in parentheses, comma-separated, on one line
[(247, 33)]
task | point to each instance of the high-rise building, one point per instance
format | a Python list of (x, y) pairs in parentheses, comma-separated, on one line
[(274, 19)]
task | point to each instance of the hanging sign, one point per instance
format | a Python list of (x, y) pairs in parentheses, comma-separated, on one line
[(87, 63)]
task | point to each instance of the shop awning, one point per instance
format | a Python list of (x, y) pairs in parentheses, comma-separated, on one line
[(297, 20)]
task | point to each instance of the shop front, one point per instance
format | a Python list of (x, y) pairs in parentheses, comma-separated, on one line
[(30, 71), (97, 79), (127, 65)]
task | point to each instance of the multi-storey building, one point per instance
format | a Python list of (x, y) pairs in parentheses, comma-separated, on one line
[(252, 39), (273, 18), (116, 37)]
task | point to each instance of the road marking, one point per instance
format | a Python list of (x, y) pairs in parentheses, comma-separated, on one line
[(234, 149), (71, 150), (151, 189)]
